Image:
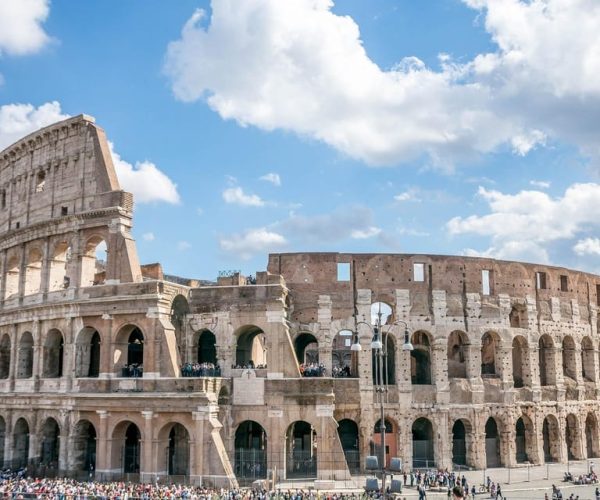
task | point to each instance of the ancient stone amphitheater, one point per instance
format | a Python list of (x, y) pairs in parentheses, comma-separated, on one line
[(505, 367)]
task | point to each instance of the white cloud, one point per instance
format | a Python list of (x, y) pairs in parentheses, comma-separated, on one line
[(251, 242), (540, 184), (148, 236), (236, 196), (363, 234), (21, 29), (18, 120), (271, 177), (525, 223), (147, 183), (409, 195), (182, 246), (297, 66), (587, 246)]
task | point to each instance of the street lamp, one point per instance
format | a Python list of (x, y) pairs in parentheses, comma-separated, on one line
[(379, 348)]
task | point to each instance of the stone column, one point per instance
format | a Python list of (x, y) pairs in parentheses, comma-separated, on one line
[(34, 437), (533, 358), (14, 356), (106, 347), (197, 456), (22, 272), (439, 369), (3, 274), (63, 452), (8, 437), (103, 459), (38, 354), (148, 454), (443, 442), (508, 446), (46, 262)]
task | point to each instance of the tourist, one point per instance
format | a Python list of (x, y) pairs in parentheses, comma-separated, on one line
[(457, 493)]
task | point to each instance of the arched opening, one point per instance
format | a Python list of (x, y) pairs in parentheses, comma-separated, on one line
[(492, 444), (223, 398), (381, 313), (387, 369), (518, 316), (251, 349), (569, 361), (459, 443), (588, 369), (179, 311), (250, 451), (348, 434), (25, 356), (128, 355), (93, 262), (178, 451), (2, 438), (591, 436), (33, 272), (301, 450), (489, 345), (12, 277), (420, 359), (87, 353), (58, 278), (127, 442), (4, 356), (307, 349), (20, 444), (53, 355), (521, 440), (207, 351), (49, 445), (82, 453), (422, 440), (457, 355), (573, 438), (546, 359), (390, 441), (551, 439), (343, 359), (520, 363)]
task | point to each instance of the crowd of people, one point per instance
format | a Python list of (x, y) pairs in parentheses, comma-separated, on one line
[(312, 370), (341, 371), (200, 370), (249, 366), (134, 370)]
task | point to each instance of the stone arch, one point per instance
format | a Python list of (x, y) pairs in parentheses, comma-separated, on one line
[(82, 453), (87, 353), (176, 440), (2, 439), (251, 347), (391, 441), (546, 358), (306, 347), (518, 316), (13, 271), (386, 373), (93, 262), (223, 398), (206, 343), (129, 351), (520, 362), (25, 356), (49, 441), (126, 447), (492, 444), (457, 354), (569, 362), (551, 439), (350, 441), (523, 439), (573, 437), (58, 278), (4, 356), (382, 312), (343, 359), (53, 354), (423, 443), (592, 440), (33, 271), (461, 439), (250, 451), (588, 369), (489, 354), (420, 358), (180, 308), (301, 450), (20, 444)]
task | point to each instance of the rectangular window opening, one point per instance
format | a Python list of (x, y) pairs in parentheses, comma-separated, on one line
[(343, 271), (485, 281), (64, 210), (540, 280), (418, 271), (564, 284)]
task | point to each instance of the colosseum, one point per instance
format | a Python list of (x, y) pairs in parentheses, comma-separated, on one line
[(113, 368)]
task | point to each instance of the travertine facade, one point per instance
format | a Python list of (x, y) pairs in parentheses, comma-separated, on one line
[(505, 367)]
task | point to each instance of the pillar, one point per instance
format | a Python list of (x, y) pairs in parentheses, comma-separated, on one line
[(197, 451), (103, 451), (147, 468)]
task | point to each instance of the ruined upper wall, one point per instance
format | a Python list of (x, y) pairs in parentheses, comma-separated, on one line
[(63, 169)]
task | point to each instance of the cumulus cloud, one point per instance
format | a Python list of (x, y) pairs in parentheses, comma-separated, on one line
[(21, 30), (147, 183), (409, 195), (522, 225), (247, 244), (363, 234), (236, 196), (18, 120), (587, 246), (271, 177), (297, 66)]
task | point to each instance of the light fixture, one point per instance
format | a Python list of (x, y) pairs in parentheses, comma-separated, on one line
[(356, 345), (407, 346), (376, 343)]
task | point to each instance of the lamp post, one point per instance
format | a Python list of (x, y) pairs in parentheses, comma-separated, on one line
[(379, 348)]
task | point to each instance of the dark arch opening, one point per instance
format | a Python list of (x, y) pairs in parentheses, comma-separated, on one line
[(250, 451), (591, 436), (5, 356), (251, 348), (131, 450), (49, 446), (457, 355), (83, 449), (301, 447), (135, 348), (551, 439), (422, 439), (53, 355), (492, 444), (94, 369), (521, 440), (348, 434), (20, 444), (178, 451), (459, 443), (207, 351), (518, 358), (489, 345), (420, 359), (307, 349)]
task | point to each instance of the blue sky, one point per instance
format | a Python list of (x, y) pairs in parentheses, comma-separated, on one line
[(249, 126)]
